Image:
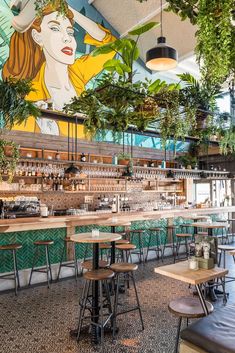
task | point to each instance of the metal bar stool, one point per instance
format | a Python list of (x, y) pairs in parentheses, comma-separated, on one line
[(127, 271), (71, 264), (185, 237), (47, 269), (155, 233), (189, 308), (15, 274), (140, 251), (125, 250), (88, 265), (101, 276), (171, 230)]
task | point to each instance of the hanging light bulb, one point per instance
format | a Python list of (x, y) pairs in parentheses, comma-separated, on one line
[(162, 57)]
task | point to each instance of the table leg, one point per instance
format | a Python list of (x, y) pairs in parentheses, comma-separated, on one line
[(95, 297), (113, 246), (202, 300)]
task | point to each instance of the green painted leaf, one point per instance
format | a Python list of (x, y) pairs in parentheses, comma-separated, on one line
[(143, 28)]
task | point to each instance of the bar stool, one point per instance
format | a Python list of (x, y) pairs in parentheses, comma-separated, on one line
[(71, 264), (47, 269), (101, 276), (189, 308), (88, 265), (185, 237), (155, 233), (15, 274), (138, 233), (223, 250), (171, 230), (125, 250), (122, 241), (127, 271), (232, 253), (105, 249)]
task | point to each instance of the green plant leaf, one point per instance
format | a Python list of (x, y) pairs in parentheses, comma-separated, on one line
[(143, 28), (104, 49)]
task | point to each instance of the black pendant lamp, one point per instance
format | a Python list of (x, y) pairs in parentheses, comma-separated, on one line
[(72, 169), (162, 57)]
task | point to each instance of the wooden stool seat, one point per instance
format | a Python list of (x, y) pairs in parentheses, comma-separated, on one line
[(139, 231), (188, 307), (225, 247), (232, 252), (123, 267), (202, 233), (99, 275), (88, 265), (155, 229), (126, 247), (105, 246), (44, 242), (122, 241), (11, 247), (184, 235)]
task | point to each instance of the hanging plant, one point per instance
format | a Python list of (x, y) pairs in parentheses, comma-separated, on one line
[(14, 109), (58, 5), (8, 163)]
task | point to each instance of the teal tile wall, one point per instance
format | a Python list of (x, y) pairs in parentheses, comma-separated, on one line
[(25, 255)]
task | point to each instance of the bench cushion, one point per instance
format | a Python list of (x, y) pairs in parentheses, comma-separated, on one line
[(214, 333)]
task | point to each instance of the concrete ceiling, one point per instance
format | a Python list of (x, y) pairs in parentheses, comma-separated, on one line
[(124, 15)]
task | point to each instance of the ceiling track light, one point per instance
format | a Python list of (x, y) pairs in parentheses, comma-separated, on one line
[(162, 57)]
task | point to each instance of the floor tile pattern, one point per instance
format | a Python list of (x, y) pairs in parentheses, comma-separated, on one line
[(39, 320)]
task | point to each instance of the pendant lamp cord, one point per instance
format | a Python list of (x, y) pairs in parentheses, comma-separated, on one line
[(161, 20)]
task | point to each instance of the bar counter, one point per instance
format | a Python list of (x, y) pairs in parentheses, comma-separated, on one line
[(37, 223), (26, 231)]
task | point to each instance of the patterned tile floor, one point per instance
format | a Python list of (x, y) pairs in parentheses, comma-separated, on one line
[(39, 320)]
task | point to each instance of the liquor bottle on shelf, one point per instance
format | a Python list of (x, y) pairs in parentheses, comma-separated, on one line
[(83, 157), (57, 155)]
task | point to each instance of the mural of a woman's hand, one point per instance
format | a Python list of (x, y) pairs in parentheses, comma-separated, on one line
[(88, 25), (22, 22)]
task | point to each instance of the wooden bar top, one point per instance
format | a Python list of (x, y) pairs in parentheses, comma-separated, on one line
[(34, 223)]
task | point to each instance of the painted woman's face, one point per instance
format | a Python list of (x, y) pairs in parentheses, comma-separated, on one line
[(57, 38)]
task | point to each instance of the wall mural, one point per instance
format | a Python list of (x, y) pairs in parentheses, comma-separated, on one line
[(53, 52)]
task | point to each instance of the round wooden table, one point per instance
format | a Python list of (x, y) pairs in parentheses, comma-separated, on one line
[(89, 239)]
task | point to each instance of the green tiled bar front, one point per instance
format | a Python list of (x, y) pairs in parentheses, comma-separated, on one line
[(25, 255)]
